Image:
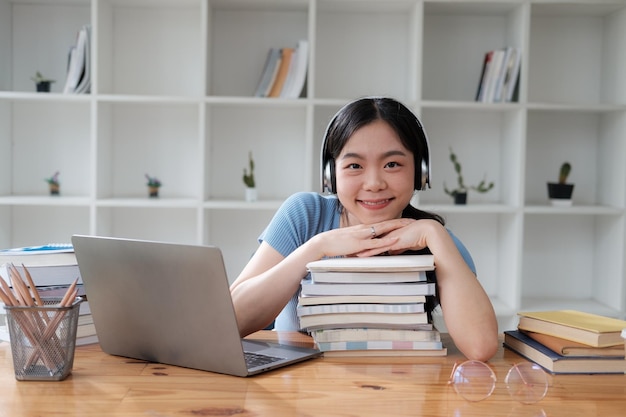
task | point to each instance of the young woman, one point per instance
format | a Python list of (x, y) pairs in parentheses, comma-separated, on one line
[(374, 157)]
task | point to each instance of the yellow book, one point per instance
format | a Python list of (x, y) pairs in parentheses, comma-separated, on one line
[(577, 326)]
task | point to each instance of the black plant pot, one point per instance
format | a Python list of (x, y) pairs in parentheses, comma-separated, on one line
[(43, 86), (460, 198), (560, 194)]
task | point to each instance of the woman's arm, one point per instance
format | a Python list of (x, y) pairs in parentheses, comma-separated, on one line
[(269, 280), (467, 310)]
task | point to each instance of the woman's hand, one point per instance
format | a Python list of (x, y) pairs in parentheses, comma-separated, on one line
[(361, 240), (408, 234)]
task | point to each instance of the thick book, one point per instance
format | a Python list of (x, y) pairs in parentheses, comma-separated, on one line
[(590, 329), (365, 334), (360, 299), (360, 308), (568, 348), (43, 255), (368, 277), (380, 345), (419, 288), (46, 275), (558, 364), (398, 263), (375, 320), (385, 353)]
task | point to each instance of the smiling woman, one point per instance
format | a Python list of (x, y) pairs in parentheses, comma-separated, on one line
[(374, 158)]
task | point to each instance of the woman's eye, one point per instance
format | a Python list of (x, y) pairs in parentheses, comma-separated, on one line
[(354, 166), (392, 164)]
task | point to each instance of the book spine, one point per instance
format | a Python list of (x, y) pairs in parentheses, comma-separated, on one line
[(379, 345), (309, 288), (360, 308), (346, 335)]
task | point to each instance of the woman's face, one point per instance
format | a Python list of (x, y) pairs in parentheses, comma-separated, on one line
[(375, 175)]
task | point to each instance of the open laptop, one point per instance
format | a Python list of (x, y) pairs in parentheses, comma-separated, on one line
[(170, 303)]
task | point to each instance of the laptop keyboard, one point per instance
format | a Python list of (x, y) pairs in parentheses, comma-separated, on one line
[(257, 359)]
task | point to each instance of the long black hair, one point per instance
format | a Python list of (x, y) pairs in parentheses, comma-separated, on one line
[(407, 126)]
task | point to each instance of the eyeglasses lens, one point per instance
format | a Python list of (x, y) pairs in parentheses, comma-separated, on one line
[(527, 383), (474, 380)]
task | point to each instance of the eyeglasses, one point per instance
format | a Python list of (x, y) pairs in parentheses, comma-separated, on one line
[(474, 380)]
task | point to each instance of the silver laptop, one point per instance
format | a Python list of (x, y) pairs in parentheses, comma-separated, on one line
[(170, 303)]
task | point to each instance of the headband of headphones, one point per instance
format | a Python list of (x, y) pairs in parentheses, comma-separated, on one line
[(422, 167)]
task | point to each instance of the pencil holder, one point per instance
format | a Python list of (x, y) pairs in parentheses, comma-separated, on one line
[(43, 339)]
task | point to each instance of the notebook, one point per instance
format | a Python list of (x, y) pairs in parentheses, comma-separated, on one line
[(170, 303)]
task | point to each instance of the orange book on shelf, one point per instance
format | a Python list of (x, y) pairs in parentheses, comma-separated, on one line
[(283, 70)]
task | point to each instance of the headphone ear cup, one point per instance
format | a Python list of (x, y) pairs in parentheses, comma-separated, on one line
[(422, 177), (329, 177)]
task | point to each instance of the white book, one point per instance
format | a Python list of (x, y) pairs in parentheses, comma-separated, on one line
[(360, 308), (396, 263), (305, 300), (49, 275), (513, 76), (498, 95), (84, 83), (363, 334), (492, 75), (297, 72), (380, 345), (417, 288), (367, 277), (377, 320), (77, 63)]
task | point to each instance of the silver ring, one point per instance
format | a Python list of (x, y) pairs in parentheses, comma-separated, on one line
[(373, 232)]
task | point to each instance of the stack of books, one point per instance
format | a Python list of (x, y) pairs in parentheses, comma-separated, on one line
[(370, 306), (570, 341), (499, 78), (284, 72), (53, 268)]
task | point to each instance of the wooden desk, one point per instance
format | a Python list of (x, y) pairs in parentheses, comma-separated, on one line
[(104, 385)]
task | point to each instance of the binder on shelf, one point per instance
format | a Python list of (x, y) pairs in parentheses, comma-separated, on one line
[(78, 80)]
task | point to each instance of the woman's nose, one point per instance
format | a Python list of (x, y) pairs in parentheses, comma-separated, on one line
[(374, 180)]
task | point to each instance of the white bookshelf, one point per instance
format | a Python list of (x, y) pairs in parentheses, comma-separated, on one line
[(172, 96)]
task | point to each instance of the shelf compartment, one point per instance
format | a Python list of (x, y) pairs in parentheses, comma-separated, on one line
[(493, 138), (42, 47), (349, 36), (237, 52), (457, 35), (150, 48), (276, 138), (158, 139), (41, 138), (580, 259), (575, 53), (591, 141)]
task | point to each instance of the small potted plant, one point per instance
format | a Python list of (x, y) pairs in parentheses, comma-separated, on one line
[(248, 179), (560, 193), (54, 184), (460, 192), (42, 83), (153, 186)]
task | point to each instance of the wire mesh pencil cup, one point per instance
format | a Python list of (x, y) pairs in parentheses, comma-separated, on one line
[(43, 339)]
